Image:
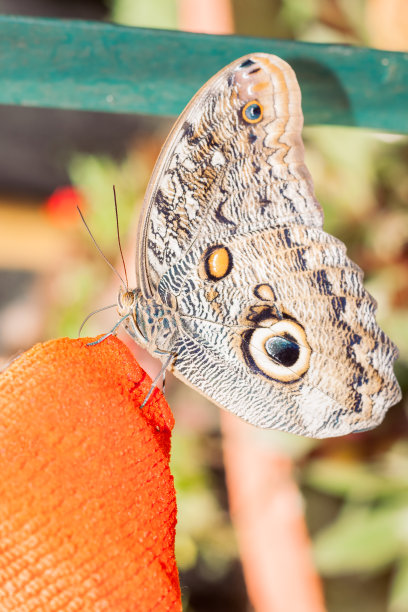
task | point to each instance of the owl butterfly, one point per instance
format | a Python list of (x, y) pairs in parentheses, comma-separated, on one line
[(238, 286)]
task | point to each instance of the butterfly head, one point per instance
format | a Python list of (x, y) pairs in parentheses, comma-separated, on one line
[(126, 301)]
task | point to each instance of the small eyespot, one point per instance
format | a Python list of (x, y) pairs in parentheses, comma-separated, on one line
[(264, 292), (279, 351), (252, 112), (217, 262)]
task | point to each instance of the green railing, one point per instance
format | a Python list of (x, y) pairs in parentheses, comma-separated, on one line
[(103, 67)]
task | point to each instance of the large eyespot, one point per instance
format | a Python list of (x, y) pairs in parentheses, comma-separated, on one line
[(252, 112), (280, 352), (217, 262), (283, 349)]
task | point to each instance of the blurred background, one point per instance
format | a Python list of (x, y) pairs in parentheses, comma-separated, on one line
[(354, 490)]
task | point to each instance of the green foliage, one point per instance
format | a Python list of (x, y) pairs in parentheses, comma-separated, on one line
[(362, 539), (356, 482), (87, 274), (399, 593), (205, 541), (151, 14), (203, 528), (370, 533), (95, 177), (299, 14)]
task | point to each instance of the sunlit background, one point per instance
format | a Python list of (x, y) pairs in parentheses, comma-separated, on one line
[(354, 489)]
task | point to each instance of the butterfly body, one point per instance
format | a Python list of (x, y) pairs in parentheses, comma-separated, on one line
[(152, 323), (261, 309)]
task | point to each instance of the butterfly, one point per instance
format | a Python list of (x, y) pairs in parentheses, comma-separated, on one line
[(239, 291)]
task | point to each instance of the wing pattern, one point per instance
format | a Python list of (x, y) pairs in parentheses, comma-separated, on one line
[(273, 322)]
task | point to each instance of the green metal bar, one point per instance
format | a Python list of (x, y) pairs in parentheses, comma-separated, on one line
[(104, 67)]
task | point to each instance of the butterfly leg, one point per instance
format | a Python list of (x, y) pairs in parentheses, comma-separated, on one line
[(133, 330), (154, 382), (111, 333), (164, 382)]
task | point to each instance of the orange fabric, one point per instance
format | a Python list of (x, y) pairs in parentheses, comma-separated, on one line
[(87, 502)]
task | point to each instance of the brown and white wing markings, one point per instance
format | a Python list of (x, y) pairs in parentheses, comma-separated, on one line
[(274, 322), (218, 174), (296, 280)]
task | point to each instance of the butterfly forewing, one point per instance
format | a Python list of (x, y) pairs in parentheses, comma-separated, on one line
[(220, 173)]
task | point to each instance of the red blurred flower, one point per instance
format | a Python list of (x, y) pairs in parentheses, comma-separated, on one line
[(61, 206)]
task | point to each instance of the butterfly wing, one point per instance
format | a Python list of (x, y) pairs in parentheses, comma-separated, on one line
[(274, 323), (289, 339), (212, 160)]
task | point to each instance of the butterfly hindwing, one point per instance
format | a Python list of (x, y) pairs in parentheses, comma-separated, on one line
[(294, 288)]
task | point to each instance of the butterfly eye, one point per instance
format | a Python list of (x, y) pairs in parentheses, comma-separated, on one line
[(252, 112), (280, 352), (217, 262)]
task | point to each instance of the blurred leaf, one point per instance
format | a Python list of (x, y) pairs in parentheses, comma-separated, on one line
[(396, 326), (263, 19), (341, 163), (95, 177), (87, 274), (363, 539), (396, 461), (203, 527), (392, 169), (74, 290), (187, 466), (355, 13), (353, 480), (399, 589), (298, 14), (186, 551), (142, 14)]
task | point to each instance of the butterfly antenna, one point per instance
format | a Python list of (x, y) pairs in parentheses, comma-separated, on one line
[(118, 235), (99, 248), (92, 314)]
